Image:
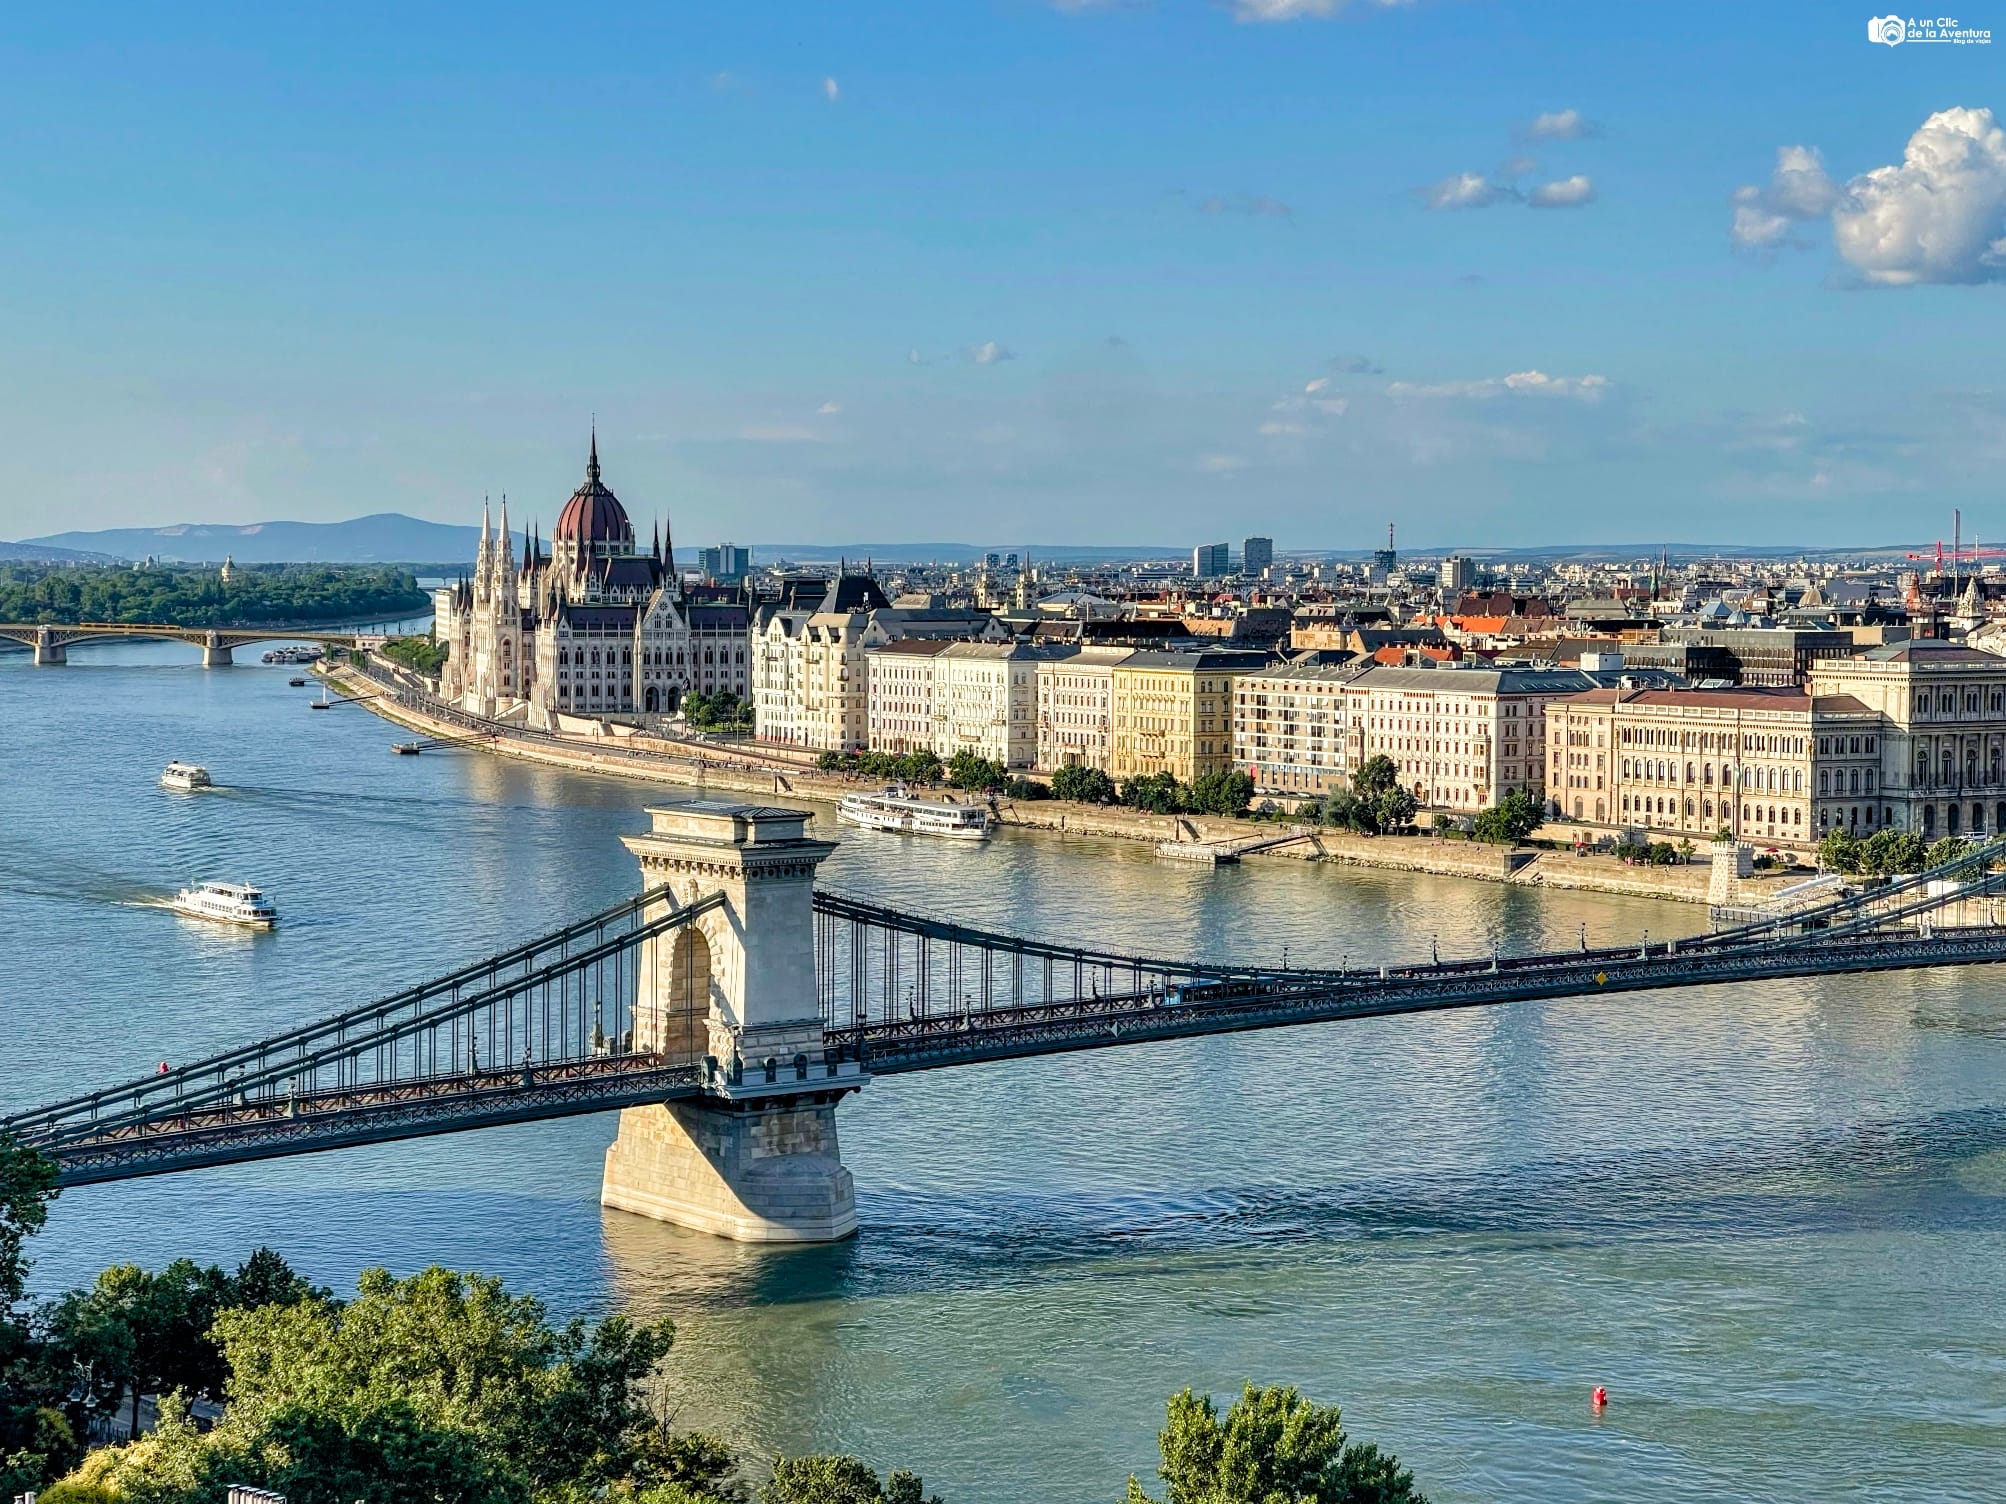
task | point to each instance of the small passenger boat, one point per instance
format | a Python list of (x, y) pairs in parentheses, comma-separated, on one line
[(226, 903), (186, 776)]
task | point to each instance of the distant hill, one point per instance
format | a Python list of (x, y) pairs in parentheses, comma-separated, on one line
[(393, 538), (36, 553), (386, 538)]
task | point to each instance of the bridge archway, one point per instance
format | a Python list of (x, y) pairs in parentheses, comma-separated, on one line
[(682, 1028)]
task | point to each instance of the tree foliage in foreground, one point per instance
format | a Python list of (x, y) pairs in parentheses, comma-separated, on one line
[(1272, 1446)]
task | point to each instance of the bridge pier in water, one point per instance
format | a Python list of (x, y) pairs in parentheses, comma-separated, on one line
[(215, 654), (755, 1159), (49, 651)]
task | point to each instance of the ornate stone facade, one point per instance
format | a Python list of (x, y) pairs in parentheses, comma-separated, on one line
[(593, 629)]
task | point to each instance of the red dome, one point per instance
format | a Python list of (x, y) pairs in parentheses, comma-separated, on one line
[(594, 514)]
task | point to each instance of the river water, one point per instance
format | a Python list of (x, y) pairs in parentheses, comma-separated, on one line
[(1770, 1218)]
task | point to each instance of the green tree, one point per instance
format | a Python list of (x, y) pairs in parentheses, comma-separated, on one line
[(918, 767), (442, 1364), (1154, 793), (720, 710), (1083, 785), (27, 1186), (1273, 1446), (970, 770), (1888, 852), (1375, 802), (1511, 820), (422, 655), (1840, 850), (1226, 792), (839, 1480), (1944, 851)]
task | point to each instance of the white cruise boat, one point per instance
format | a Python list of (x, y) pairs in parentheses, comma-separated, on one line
[(897, 809), (185, 775), (227, 903)]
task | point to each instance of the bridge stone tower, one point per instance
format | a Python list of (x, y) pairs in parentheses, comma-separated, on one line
[(756, 1158)]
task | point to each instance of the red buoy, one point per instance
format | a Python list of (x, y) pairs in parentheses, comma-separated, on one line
[(1601, 1396)]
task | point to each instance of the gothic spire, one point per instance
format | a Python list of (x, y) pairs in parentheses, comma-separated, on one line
[(592, 462)]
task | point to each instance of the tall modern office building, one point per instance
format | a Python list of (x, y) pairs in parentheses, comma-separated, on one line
[(1211, 560), (1256, 554), (727, 564)]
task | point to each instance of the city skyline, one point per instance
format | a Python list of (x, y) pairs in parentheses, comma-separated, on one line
[(1092, 272)]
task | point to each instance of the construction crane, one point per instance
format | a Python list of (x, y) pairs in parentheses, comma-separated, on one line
[(1959, 553)]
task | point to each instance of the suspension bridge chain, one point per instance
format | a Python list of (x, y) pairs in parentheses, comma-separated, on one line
[(899, 1019), (542, 1030)]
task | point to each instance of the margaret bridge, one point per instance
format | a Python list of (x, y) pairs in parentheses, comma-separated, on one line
[(729, 1006), (52, 644)]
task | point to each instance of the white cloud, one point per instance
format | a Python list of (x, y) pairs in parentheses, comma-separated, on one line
[(1938, 217), (830, 90), (1273, 429), (1334, 406), (1299, 10), (989, 353), (1567, 193), (913, 358), (1518, 384), (1312, 388), (1798, 189), (1468, 190), (1220, 464), (829, 409), (1560, 125)]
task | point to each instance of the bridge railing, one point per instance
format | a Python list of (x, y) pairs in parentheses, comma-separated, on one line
[(564, 997), (1901, 893)]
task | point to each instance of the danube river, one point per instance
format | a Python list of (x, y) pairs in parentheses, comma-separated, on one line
[(1771, 1219)]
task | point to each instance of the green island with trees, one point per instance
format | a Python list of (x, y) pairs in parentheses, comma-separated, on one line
[(445, 1388), (179, 595)]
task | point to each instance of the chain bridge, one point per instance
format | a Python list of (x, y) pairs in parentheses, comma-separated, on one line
[(729, 1006), (52, 644)]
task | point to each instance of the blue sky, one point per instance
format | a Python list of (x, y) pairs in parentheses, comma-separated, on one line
[(1007, 270)]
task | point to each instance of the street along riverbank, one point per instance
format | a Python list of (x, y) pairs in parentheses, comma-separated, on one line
[(650, 759)]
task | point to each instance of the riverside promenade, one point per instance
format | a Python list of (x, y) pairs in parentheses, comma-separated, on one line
[(397, 697)]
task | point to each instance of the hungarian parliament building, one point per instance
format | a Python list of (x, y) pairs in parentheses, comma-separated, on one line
[(592, 626)]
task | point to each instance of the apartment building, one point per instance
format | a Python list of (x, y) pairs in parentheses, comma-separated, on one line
[(898, 709), (1173, 712), (1076, 708), (1289, 727), (810, 677), (985, 701), (1462, 737)]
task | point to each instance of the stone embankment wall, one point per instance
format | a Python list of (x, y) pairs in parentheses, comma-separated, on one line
[(653, 760)]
